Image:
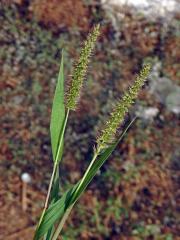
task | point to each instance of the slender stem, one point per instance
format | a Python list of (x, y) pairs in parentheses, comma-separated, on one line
[(62, 136), (61, 224), (48, 194), (50, 186), (86, 173), (66, 214), (54, 168)]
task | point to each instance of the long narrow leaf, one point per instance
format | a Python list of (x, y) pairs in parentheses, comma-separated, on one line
[(97, 165), (54, 212), (57, 210), (56, 126), (58, 111)]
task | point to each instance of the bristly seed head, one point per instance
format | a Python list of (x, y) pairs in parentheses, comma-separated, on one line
[(81, 69), (107, 135)]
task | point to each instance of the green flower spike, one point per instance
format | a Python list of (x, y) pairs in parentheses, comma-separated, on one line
[(81, 69), (107, 135)]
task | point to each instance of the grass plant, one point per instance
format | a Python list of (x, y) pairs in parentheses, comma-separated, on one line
[(57, 208)]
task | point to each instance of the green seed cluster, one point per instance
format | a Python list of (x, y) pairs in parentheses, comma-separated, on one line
[(107, 135), (81, 69)]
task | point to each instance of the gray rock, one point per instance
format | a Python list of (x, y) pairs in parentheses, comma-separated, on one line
[(173, 101), (151, 8), (165, 91), (148, 113), (162, 87)]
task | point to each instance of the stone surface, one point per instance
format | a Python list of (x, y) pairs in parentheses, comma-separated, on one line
[(158, 8)]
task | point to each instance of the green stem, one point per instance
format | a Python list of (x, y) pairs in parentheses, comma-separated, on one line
[(48, 194), (62, 136), (54, 168), (64, 218), (86, 173), (62, 222), (66, 214)]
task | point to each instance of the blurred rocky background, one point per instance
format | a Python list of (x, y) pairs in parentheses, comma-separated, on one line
[(135, 195)]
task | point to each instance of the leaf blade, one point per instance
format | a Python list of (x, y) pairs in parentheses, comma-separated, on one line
[(57, 210), (58, 111), (98, 163), (53, 213)]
